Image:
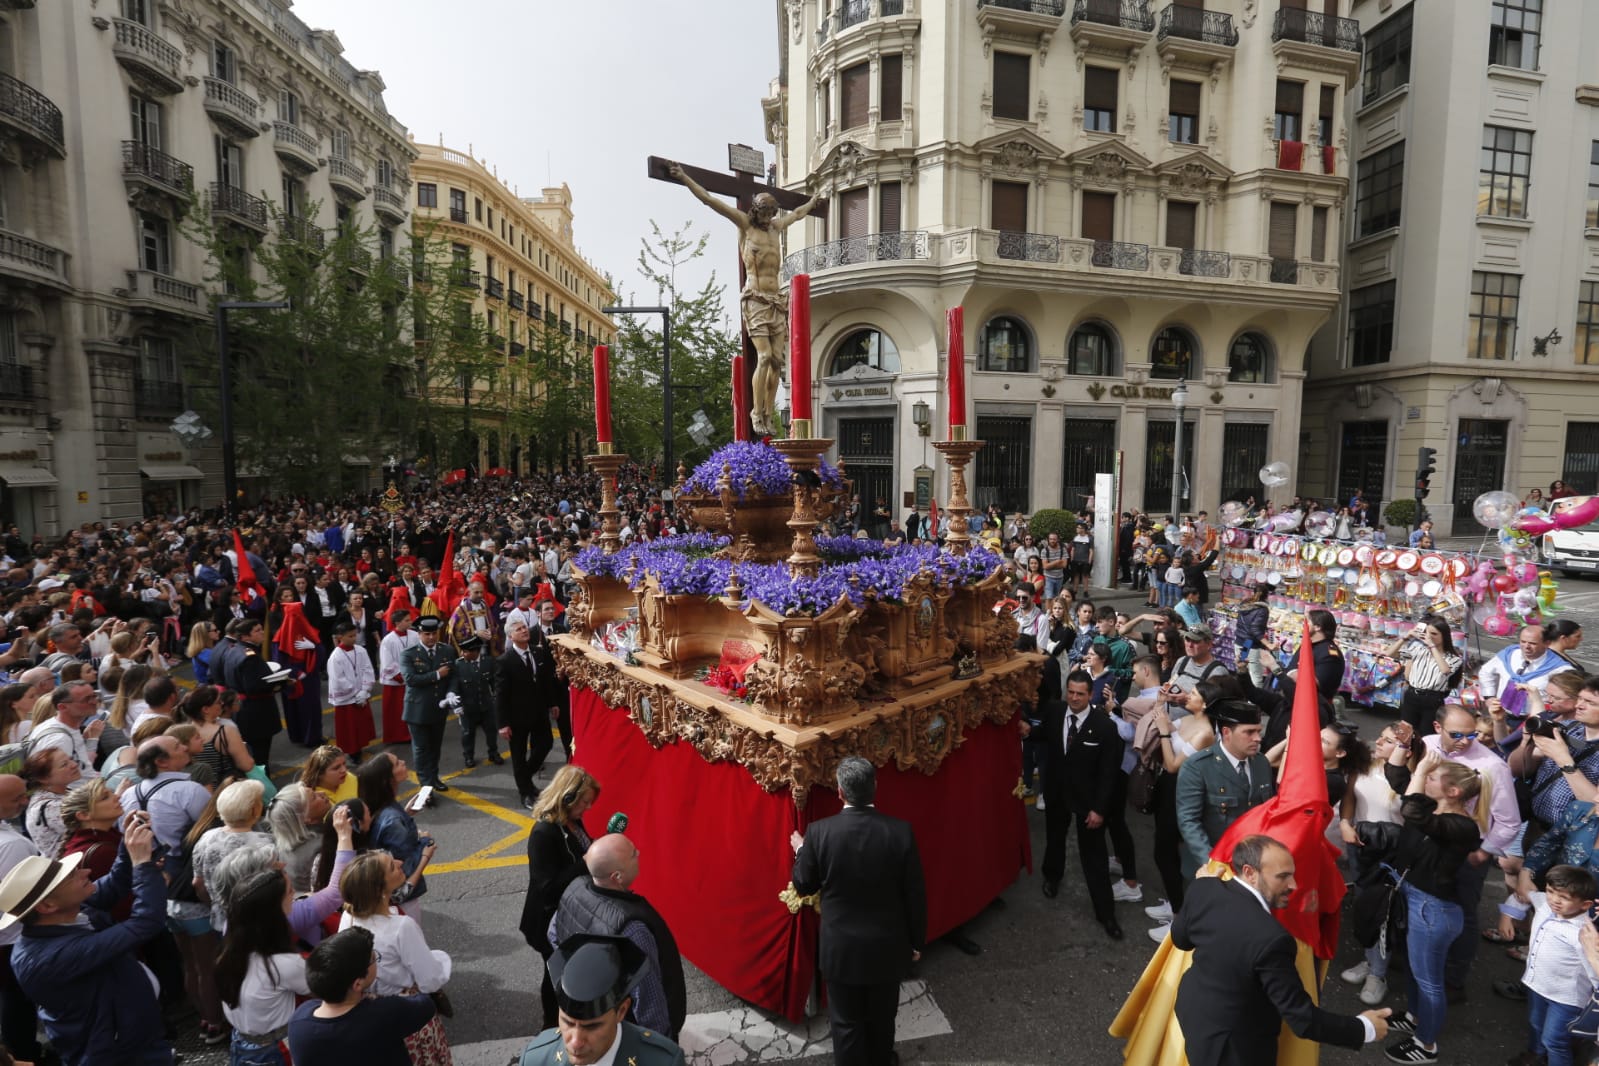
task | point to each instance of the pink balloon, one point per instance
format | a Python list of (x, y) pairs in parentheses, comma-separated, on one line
[(1526, 574), (1505, 583), (1481, 613), (1499, 626)]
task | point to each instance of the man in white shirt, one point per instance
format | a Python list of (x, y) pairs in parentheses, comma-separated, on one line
[(19, 1020), (65, 732), (350, 681), (1528, 662), (523, 612), (1030, 621), (165, 789), (399, 638)]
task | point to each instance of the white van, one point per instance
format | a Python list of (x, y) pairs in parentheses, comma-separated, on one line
[(1572, 551)]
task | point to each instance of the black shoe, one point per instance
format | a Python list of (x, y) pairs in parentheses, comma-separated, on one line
[(494, 757), (1113, 928), (470, 762), (1512, 990), (529, 801), (1051, 889), (440, 786), (1403, 1024)]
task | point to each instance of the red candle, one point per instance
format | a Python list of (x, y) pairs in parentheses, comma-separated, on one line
[(602, 394), (741, 401), (957, 368), (799, 348)]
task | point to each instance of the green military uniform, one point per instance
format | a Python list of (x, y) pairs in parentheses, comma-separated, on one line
[(1210, 797), (639, 1047), (425, 712), (474, 684)]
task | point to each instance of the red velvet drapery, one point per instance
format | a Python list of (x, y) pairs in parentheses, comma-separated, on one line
[(714, 850), (1290, 155)]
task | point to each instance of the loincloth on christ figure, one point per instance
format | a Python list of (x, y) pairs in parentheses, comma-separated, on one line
[(765, 314)]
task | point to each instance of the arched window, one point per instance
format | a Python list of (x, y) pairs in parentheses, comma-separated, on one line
[(1173, 354), (866, 347), (1249, 360), (1092, 351), (1005, 347)]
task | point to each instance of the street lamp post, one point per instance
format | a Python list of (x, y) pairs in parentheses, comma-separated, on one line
[(666, 367), (230, 473), (1179, 400)]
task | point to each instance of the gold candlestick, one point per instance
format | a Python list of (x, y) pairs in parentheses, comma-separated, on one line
[(958, 453), (606, 465), (803, 456)]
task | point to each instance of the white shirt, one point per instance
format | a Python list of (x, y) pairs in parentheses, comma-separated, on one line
[(14, 847), (1079, 719), (527, 618), (264, 1004), (609, 1058), (1555, 956), (350, 680), (389, 653), (404, 958), (57, 734), (1034, 623)]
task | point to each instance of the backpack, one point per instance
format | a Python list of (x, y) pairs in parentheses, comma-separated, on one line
[(177, 865)]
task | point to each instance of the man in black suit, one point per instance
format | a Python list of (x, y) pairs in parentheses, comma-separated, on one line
[(1083, 759), (527, 701), (874, 914), (1242, 985)]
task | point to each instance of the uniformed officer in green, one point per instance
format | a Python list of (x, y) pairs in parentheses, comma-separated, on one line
[(429, 672), (474, 684), (1223, 781), (592, 976)]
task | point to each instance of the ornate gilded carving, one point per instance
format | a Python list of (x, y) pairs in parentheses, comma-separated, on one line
[(794, 901)]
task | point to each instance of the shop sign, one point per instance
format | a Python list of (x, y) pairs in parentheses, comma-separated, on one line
[(1135, 392), (864, 392)]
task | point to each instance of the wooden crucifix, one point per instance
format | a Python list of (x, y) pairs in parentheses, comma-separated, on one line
[(761, 211)]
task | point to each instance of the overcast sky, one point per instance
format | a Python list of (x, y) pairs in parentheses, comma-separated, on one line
[(580, 91)]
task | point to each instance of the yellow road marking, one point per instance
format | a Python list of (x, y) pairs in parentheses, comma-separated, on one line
[(471, 865)]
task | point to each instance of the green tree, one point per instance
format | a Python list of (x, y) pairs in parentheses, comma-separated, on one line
[(703, 346)]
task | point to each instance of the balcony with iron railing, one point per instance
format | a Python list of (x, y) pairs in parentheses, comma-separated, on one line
[(347, 179), (16, 384), (148, 168), (1199, 263), (29, 113), (1119, 255), (30, 260), (535, 310), (1314, 28), (465, 277), (458, 214), (494, 288), (157, 64), (1093, 18), (232, 107), (303, 232), (1195, 32), (388, 203), (850, 251), (155, 291), (232, 204), (1028, 247), (497, 341), (156, 399), (1027, 18), (515, 299), (1284, 271), (295, 147)]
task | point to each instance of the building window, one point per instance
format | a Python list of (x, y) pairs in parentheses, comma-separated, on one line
[(1587, 342), (1513, 34), (1387, 56), (1324, 115), (385, 173), (854, 95), (288, 107), (1172, 354), (158, 359), (1243, 453), (1008, 206), (1249, 360), (155, 243), (1099, 99), (866, 347), (224, 67), (1183, 112), (1159, 450), (1099, 216), (136, 11), (477, 208), (230, 163), (146, 120), (1580, 471), (1593, 187), (293, 197), (457, 205), (891, 88), (1005, 465), (1290, 111), (427, 194), (1012, 94), (1091, 351), (1371, 324), (1006, 347), (1320, 219), (1502, 179), (1379, 190), (1491, 322), (339, 144), (1182, 222)]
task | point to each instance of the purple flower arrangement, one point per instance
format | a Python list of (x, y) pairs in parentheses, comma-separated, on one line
[(757, 468), (858, 569)]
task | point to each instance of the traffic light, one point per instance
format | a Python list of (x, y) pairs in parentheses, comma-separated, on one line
[(1426, 466)]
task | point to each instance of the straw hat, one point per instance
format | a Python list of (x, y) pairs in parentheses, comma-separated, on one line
[(30, 881)]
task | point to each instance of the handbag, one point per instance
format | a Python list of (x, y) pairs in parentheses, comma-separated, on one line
[(442, 1002), (1141, 786)]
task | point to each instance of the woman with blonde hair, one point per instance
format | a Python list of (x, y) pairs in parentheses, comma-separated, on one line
[(92, 812), (555, 849), (202, 637), (328, 771), (406, 965), (129, 703)]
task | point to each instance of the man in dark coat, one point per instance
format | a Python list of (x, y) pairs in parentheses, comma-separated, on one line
[(874, 914), (1243, 986), (527, 701), (1082, 764)]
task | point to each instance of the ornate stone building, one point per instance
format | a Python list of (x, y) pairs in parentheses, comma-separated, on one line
[(120, 119), (1120, 196)]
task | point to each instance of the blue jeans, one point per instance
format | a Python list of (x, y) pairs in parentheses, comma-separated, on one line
[(242, 1052), (1053, 580), (1548, 1025), (1434, 924)]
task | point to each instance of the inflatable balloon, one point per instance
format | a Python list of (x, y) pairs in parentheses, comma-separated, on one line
[(1286, 522), (1569, 513), (1481, 613), (1233, 512), (1480, 581), (1546, 592), (1524, 603), (1494, 510), (1525, 574), (1504, 583), (1498, 624), (1320, 524)]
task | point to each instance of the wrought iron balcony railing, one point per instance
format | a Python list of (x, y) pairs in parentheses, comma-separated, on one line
[(517, 349), (142, 161), (1037, 7), (873, 248), (30, 109), (1128, 14), (458, 214), (1199, 263), (515, 299), (494, 288), (1313, 27), (1284, 271), (1196, 24), (230, 200), (465, 277), (1028, 247), (1119, 255), (851, 13), (302, 231)]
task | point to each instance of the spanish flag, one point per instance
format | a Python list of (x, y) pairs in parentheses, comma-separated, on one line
[(1297, 817)]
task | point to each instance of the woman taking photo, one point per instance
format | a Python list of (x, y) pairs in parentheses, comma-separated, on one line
[(1371, 798), (1097, 663), (48, 774), (222, 748), (555, 849), (393, 828), (1178, 740), (1061, 633), (1432, 669), (406, 965)]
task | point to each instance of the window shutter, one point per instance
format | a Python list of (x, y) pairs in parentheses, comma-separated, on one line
[(1099, 216), (1318, 234), (1298, 5), (1099, 88), (1284, 223), (1008, 211), (854, 94), (891, 93), (1184, 97), (854, 217), (1290, 97), (888, 214), (1325, 112), (1180, 223), (1011, 92)]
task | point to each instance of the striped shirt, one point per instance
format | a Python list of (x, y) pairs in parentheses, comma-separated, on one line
[(1422, 673)]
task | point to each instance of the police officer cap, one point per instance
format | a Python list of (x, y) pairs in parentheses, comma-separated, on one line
[(471, 643), (592, 974), (430, 625), (1233, 711)]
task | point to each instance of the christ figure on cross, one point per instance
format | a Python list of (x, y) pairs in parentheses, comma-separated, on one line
[(763, 303)]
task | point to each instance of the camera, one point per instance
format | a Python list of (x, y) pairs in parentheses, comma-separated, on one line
[(1540, 727)]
